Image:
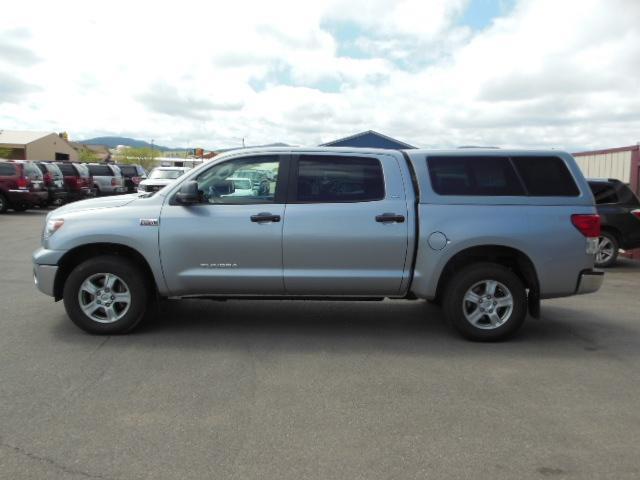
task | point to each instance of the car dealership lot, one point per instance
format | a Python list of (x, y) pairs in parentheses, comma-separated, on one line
[(315, 390)]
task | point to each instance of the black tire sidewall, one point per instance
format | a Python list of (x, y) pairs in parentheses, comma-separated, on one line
[(4, 205), (463, 280), (128, 272), (616, 248)]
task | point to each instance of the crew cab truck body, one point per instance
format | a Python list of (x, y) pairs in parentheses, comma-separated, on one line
[(486, 233)]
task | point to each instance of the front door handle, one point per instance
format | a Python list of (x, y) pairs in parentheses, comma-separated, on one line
[(265, 217), (389, 217)]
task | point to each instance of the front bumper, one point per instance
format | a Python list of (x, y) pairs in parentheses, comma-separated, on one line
[(44, 277), (589, 281)]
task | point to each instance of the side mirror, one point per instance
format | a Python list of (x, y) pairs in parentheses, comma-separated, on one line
[(188, 193)]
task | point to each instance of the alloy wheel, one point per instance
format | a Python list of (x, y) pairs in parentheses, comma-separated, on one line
[(104, 297), (605, 250), (488, 304)]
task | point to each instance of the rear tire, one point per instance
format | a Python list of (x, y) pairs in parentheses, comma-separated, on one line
[(4, 205), (485, 302), (608, 247), (20, 207), (106, 295)]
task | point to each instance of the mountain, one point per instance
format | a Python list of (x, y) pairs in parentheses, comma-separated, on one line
[(113, 142)]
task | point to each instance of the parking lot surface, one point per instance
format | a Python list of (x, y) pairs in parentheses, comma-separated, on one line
[(310, 390)]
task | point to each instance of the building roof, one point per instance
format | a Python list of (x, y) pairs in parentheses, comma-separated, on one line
[(20, 137), (630, 148), (370, 138)]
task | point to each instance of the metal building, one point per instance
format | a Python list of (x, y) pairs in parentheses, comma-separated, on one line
[(621, 163)]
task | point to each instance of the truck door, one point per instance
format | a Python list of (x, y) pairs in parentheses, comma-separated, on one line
[(345, 231), (231, 243)]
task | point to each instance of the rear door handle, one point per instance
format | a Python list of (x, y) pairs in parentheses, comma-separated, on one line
[(265, 217), (389, 217)]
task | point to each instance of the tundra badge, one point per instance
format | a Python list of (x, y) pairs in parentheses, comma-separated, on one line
[(149, 222)]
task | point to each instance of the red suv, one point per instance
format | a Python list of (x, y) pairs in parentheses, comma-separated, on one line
[(21, 186), (77, 180)]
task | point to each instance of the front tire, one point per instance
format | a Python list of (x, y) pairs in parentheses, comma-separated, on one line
[(106, 295), (485, 302), (607, 253)]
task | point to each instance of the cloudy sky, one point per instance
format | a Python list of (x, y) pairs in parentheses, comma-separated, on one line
[(433, 73)]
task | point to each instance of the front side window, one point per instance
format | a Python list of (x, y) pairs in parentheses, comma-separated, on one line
[(474, 175), (241, 181), (334, 179)]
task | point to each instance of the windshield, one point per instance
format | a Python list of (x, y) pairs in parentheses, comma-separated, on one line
[(166, 174)]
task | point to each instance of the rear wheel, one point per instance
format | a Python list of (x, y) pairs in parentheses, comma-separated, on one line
[(4, 205), (607, 253), (485, 302), (107, 295), (20, 207)]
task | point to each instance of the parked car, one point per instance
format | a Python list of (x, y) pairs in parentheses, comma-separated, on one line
[(486, 233), (242, 187), (261, 178), (107, 179), (160, 177), (77, 181), (619, 211), (53, 182), (21, 186), (133, 175)]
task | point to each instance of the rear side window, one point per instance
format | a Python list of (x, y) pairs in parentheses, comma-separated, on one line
[(332, 179), (613, 192), (67, 169), (604, 193), (7, 169), (100, 171), (546, 177), (475, 175), (129, 170)]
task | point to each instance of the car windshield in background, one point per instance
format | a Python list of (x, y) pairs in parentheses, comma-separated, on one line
[(166, 174)]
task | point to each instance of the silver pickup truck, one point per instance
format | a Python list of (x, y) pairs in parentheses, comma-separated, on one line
[(486, 234)]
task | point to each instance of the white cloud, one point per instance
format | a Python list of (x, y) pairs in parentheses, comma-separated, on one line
[(548, 73)]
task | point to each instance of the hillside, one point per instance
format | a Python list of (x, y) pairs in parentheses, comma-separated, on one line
[(113, 142)]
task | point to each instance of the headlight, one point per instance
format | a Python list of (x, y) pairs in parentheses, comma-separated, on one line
[(52, 226)]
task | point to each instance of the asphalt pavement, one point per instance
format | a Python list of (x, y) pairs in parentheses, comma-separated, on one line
[(315, 390)]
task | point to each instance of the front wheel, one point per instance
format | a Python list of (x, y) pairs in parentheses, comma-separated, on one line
[(106, 295), (485, 302)]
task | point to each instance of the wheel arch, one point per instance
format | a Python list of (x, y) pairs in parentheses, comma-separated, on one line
[(81, 253), (613, 231), (512, 258)]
